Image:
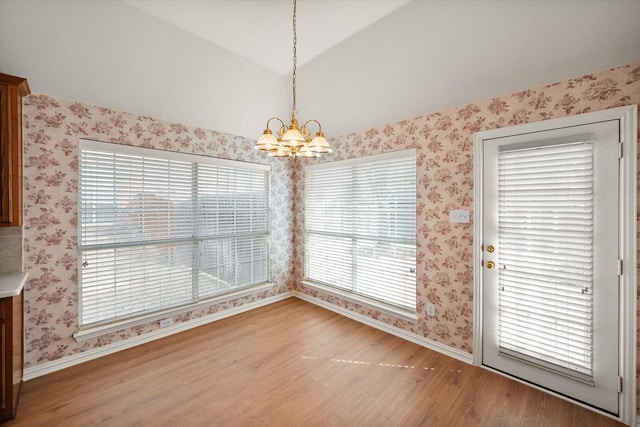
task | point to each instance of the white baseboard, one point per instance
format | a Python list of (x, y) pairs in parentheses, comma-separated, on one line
[(401, 333), (66, 362), (75, 359)]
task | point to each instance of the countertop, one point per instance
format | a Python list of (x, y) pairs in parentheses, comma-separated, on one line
[(11, 284)]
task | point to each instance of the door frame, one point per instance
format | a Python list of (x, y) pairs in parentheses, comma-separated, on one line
[(628, 117)]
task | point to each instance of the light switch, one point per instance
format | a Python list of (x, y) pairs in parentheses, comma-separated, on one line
[(459, 215), (431, 309)]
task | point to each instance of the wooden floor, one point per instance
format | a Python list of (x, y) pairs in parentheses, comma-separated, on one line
[(287, 364)]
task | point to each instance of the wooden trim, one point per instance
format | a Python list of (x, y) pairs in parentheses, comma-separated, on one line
[(16, 157), (20, 82), (6, 165), (5, 341), (12, 354), (12, 89)]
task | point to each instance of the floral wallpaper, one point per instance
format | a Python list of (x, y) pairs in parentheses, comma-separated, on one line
[(52, 129), (444, 143)]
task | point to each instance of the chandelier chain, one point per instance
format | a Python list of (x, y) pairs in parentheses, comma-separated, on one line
[(294, 140), (295, 61)]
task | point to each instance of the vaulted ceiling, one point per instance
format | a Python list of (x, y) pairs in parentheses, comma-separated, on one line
[(225, 64), (262, 30)]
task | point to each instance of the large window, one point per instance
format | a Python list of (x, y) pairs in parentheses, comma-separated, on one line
[(360, 226), (159, 229)]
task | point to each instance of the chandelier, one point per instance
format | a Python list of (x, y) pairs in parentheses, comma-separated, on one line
[(293, 140)]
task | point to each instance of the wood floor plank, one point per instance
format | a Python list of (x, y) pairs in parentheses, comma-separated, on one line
[(288, 364)]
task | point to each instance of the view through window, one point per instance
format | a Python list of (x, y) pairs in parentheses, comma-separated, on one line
[(360, 226), (160, 229)]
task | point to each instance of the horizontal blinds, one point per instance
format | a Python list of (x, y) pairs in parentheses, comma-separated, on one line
[(148, 198), (117, 282), (360, 227), (158, 230), (231, 201), (545, 220), (230, 263)]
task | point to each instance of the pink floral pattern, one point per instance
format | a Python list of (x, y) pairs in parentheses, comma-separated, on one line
[(444, 143), (52, 128)]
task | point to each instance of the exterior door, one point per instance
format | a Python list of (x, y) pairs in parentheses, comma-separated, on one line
[(550, 260)]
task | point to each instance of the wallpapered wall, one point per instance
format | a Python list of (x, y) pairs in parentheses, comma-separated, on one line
[(52, 129), (444, 141)]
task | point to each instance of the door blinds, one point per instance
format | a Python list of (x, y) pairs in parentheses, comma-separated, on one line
[(545, 220), (160, 229), (360, 218)]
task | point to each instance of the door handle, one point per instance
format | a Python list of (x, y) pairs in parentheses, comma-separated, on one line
[(490, 265)]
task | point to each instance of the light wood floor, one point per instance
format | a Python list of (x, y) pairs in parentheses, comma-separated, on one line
[(287, 364)]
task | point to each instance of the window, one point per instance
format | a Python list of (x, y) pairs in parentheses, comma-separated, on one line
[(360, 226), (159, 229)]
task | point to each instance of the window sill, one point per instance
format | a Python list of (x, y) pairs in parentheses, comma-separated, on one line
[(93, 332), (410, 316)]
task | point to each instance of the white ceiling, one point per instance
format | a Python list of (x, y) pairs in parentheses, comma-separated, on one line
[(262, 30), (403, 58), (226, 64)]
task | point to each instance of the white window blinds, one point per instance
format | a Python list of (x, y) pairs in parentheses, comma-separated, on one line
[(360, 227), (545, 224), (160, 229)]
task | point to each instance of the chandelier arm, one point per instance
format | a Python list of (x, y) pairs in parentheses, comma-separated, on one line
[(312, 121), (278, 119), (281, 130)]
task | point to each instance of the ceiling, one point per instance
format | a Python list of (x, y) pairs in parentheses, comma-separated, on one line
[(226, 64), (261, 30), (403, 58)]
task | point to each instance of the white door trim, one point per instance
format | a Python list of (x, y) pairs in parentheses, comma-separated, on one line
[(628, 116)]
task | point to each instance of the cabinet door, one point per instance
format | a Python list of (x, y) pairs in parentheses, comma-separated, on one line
[(12, 89), (11, 351), (6, 205), (5, 396)]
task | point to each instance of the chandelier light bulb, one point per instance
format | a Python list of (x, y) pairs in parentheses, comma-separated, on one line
[(267, 141), (320, 145)]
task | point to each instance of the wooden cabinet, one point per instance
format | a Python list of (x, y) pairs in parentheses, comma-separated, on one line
[(11, 352), (12, 89)]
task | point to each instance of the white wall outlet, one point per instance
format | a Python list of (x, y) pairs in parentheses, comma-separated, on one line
[(459, 215), (431, 309), (166, 322)]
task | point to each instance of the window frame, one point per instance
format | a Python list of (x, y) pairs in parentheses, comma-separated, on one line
[(385, 306), (106, 325)]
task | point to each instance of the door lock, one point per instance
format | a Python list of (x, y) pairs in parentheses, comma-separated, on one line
[(490, 249)]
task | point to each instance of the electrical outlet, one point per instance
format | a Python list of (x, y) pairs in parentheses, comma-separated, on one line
[(166, 322), (431, 309), (459, 215)]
